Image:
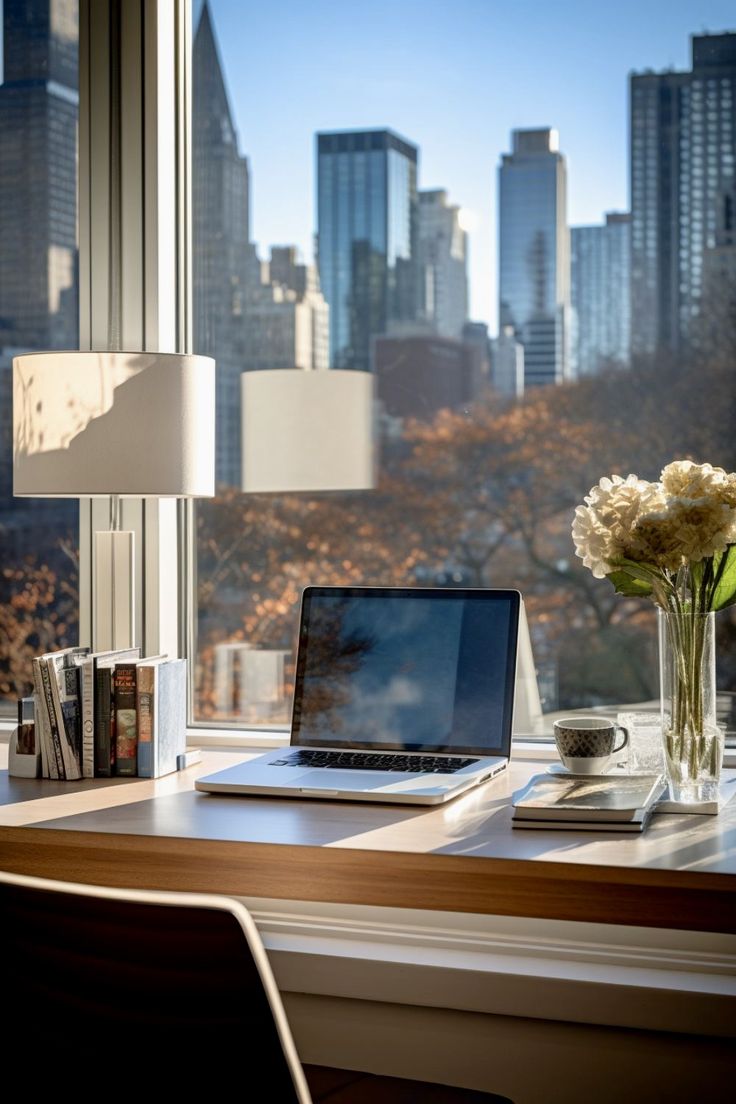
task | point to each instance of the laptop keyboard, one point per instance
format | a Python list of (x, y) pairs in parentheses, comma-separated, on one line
[(362, 760)]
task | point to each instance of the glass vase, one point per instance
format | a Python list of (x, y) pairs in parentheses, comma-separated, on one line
[(693, 742)]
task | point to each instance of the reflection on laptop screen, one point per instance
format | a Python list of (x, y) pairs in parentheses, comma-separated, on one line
[(401, 669)]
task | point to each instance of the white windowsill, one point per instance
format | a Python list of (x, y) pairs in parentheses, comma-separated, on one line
[(593, 973), (254, 739)]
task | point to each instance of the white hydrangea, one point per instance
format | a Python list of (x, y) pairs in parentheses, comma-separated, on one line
[(688, 517), (687, 531), (604, 530), (685, 479)]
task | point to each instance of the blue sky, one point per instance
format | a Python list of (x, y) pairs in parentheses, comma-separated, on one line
[(454, 78)]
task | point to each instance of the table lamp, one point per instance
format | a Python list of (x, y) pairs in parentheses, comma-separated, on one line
[(118, 424), (307, 430)]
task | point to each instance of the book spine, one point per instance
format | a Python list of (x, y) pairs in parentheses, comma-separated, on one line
[(71, 769), (42, 719), (56, 761), (145, 706), (126, 726), (88, 718), (71, 710), (103, 723)]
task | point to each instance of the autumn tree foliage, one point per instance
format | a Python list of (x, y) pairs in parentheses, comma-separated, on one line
[(482, 497), (39, 603)]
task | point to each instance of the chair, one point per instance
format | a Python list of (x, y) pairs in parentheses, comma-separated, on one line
[(168, 988)]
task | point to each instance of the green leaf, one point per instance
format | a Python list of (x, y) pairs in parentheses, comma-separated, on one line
[(626, 584), (724, 565)]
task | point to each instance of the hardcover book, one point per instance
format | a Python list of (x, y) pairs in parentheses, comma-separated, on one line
[(104, 728), (42, 721), (70, 697), (161, 715), (56, 759), (126, 725)]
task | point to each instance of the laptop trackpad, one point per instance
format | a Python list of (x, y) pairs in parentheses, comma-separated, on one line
[(316, 779)]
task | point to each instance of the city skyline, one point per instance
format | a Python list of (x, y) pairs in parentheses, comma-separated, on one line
[(455, 82)]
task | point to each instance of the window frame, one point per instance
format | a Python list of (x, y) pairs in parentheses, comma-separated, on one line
[(147, 49)]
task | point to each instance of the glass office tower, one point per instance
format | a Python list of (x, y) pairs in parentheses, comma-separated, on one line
[(534, 253), (366, 238), (600, 277), (683, 145), (39, 299), (220, 198), (39, 309), (443, 264)]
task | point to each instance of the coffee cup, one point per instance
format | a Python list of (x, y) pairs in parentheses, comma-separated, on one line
[(586, 745)]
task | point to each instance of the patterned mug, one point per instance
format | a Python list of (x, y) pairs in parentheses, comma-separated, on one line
[(587, 744)]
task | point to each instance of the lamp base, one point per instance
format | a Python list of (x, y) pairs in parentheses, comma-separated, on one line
[(114, 591)]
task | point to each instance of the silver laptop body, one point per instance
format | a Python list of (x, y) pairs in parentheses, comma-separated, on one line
[(402, 695)]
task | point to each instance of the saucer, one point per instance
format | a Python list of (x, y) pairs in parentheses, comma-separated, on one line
[(598, 765)]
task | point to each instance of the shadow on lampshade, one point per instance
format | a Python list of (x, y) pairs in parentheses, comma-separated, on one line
[(113, 423)]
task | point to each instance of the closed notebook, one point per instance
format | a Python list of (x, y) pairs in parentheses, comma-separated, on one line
[(598, 798)]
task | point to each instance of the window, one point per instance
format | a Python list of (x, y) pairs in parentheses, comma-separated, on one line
[(479, 463), (39, 309)]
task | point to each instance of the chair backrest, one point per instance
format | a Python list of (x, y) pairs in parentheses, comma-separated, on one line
[(118, 980)]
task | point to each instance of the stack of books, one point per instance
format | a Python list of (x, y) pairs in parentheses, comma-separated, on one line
[(598, 803), (101, 714)]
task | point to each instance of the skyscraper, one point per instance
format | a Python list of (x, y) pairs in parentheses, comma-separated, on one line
[(600, 294), (508, 364), (367, 238), (683, 142), (287, 317), (39, 289), (443, 264), (220, 233), (534, 254), (38, 175)]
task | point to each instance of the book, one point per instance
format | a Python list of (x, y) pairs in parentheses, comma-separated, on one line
[(43, 727), (145, 698), (592, 800), (56, 760), (126, 723), (161, 715), (584, 825), (104, 725), (70, 696), (88, 670)]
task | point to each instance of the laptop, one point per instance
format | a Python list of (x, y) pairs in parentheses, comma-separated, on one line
[(402, 695)]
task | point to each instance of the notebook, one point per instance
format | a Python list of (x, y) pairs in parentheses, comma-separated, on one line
[(402, 695)]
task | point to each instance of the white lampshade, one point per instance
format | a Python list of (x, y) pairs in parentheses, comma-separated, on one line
[(109, 423), (307, 431)]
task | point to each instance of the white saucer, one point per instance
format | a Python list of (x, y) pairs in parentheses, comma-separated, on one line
[(598, 764)]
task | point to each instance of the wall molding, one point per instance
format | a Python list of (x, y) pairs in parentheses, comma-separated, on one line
[(646, 979)]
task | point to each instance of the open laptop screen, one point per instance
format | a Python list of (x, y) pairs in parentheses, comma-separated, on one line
[(406, 669)]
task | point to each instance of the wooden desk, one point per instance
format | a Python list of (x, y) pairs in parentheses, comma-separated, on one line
[(464, 857)]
